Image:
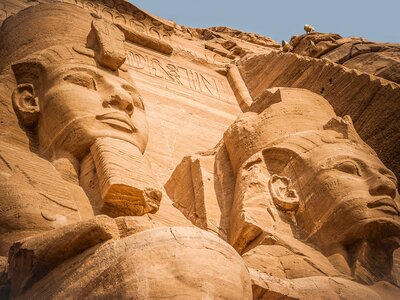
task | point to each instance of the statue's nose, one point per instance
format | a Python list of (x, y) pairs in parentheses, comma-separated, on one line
[(381, 185), (120, 99)]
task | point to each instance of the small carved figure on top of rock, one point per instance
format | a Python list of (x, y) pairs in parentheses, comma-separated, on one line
[(308, 28), (286, 47)]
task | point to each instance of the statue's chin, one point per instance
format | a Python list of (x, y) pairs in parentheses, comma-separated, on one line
[(382, 230)]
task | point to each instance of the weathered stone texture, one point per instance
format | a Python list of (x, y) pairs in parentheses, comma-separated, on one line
[(142, 159), (370, 101), (380, 59)]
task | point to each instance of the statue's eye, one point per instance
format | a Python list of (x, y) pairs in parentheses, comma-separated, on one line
[(82, 79), (348, 167)]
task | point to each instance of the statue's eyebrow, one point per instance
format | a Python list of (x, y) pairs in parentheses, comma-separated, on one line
[(334, 161), (88, 71), (361, 163)]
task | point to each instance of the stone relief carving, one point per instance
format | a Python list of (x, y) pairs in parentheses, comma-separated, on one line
[(120, 12), (181, 75)]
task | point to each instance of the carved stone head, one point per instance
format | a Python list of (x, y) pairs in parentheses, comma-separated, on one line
[(71, 86), (343, 191), (76, 104), (320, 177), (74, 92)]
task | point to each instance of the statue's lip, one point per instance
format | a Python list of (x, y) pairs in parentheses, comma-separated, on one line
[(117, 119), (387, 203)]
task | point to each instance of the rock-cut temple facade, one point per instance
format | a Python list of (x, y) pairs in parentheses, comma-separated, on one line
[(143, 159)]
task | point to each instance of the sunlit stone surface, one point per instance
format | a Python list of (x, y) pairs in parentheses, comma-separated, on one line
[(141, 159)]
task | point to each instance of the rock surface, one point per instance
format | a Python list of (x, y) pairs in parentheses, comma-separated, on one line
[(144, 159), (379, 59)]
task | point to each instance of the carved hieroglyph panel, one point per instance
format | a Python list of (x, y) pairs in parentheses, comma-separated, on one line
[(182, 99)]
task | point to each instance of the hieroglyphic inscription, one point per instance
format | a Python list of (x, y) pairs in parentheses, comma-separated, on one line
[(122, 13), (177, 74), (116, 11)]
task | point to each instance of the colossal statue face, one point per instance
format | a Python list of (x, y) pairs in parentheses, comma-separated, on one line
[(343, 200), (97, 117), (345, 194), (79, 103), (72, 81), (313, 180)]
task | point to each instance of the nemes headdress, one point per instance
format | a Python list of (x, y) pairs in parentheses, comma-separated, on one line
[(44, 34), (288, 120)]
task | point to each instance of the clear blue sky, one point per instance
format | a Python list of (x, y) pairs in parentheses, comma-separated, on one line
[(376, 20)]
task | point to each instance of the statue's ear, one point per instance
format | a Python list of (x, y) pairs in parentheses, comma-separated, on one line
[(26, 104), (284, 196)]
